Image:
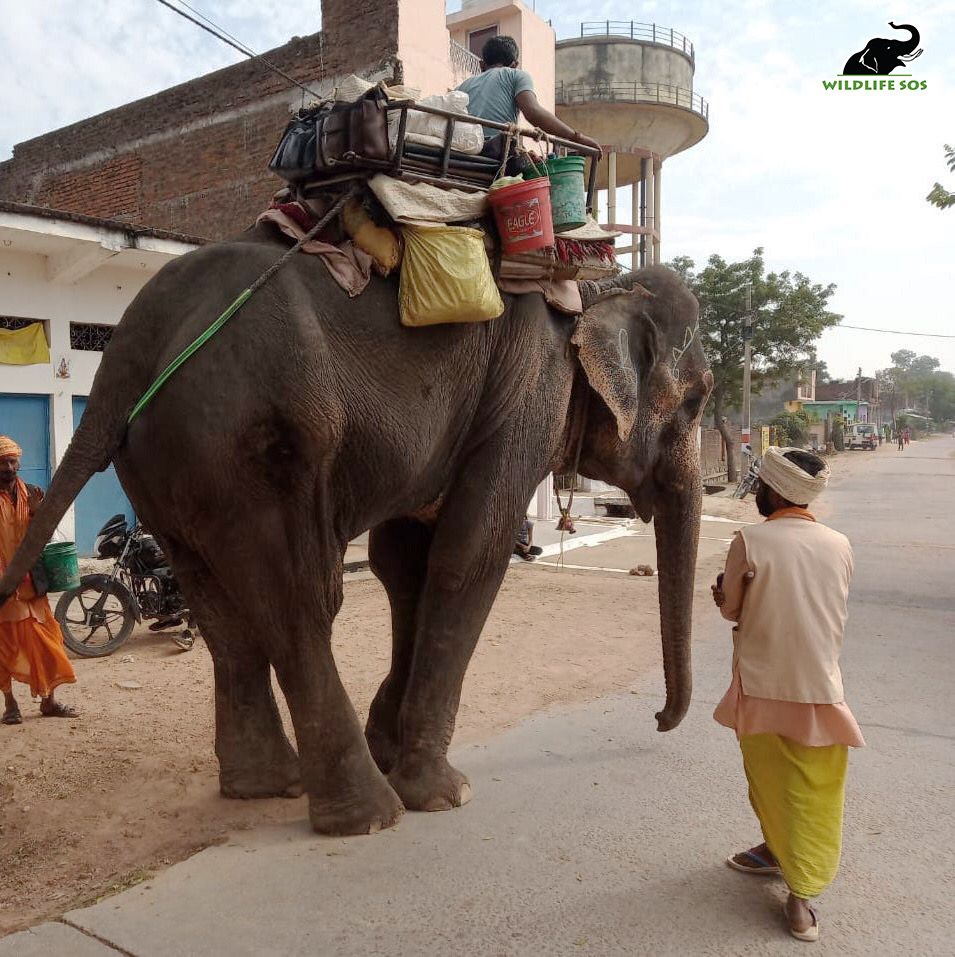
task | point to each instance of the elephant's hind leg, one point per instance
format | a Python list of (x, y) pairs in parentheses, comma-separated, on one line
[(255, 757), (290, 587), (283, 577), (347, 793), (398, 551)]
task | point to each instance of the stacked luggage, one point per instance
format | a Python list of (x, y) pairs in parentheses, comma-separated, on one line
[(447, 207)]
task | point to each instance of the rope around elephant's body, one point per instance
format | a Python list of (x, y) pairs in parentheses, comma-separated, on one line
[(234, 307)]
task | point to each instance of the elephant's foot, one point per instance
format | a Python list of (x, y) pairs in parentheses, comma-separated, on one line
[(273, 780), (383, 743), (372, 809), (431, 786)]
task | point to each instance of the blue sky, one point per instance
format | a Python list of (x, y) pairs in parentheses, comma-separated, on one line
[(830, 184)]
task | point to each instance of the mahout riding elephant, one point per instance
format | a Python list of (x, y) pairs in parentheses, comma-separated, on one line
[(310, 418), (880, 56)]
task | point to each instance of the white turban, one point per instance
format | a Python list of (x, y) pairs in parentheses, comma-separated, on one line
[(785, 477)]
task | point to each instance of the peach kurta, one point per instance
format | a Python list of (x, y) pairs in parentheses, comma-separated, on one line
[(31, 643), (815, 725)]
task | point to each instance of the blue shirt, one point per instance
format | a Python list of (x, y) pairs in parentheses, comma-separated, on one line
[(492, 95)]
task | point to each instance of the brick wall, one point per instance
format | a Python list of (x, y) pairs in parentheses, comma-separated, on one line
[(110, 191), (192, 159), (712, 453)]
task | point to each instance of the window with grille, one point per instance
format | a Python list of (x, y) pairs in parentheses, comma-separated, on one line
[(14, 323), (87, 337)]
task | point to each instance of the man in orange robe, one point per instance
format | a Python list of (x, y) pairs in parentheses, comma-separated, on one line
[(31, 643)]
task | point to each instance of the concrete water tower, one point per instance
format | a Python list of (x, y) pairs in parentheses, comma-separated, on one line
[(630, 86)]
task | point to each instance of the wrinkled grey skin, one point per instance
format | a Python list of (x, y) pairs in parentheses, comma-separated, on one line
[(311, 418)]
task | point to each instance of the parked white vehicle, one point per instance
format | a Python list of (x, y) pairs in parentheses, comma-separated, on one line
[(861, 435)]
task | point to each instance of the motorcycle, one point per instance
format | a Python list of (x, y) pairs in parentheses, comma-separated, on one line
[(98, 616), (748, 482)]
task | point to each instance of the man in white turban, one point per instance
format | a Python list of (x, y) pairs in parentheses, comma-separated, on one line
[(786, 585)]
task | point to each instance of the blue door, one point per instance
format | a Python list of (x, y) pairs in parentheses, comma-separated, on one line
[(101, 498), (26, 419)]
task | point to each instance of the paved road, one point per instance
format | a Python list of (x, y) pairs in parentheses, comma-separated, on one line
[(592, 834)]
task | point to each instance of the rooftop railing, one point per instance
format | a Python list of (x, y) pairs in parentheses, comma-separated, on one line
[(647, 32), (569, 94), (463, 61)]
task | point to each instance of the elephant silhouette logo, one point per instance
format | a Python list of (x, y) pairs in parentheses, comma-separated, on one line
[(880, 56)]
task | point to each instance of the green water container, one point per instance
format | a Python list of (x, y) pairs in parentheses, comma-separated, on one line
[(568, 198), (62, 566)]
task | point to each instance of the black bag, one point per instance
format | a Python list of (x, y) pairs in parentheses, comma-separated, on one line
[(330, 139), (294, 159)]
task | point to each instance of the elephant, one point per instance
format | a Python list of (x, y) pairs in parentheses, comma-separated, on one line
[(310, 418), (880, 57)]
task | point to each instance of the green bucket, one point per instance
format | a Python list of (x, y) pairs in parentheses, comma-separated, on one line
[(62, 566), (567, 196)]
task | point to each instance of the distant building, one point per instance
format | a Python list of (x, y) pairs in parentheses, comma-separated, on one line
[(856, 400)]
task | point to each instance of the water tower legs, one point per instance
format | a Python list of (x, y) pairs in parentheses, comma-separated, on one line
[(643, 177), (656, 181)]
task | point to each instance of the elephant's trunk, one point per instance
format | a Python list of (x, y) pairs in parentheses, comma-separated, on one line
[(906, 46), (677, 527)]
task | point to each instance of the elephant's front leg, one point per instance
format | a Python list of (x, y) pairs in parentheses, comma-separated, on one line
[(398, 552), (472, 545)]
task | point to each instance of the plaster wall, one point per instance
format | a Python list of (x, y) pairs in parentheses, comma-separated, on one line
[(618, 60), (100, 298), (423, 43), (534, 36)]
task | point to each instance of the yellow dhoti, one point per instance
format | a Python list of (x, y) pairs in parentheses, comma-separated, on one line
[(798, 793)]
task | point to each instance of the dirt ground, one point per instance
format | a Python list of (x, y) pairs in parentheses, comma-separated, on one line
[(92, 805)]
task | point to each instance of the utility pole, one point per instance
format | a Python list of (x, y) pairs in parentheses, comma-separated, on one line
[(746, 449), (859, 395)]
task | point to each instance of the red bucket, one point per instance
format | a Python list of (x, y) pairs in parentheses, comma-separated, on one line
[(523, 216)]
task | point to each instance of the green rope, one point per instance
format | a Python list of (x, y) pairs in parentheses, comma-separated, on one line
[(234, 307), (189, 351)]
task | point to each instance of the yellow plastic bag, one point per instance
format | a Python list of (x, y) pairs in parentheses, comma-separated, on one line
[(379, 242), (446, 277)]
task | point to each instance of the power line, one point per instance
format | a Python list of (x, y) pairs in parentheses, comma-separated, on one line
[(220, 34), (898, 332)]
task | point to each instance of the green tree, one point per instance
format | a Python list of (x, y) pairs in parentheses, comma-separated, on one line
[(939, 196), (794, 426), (788, 311), (908, 378)]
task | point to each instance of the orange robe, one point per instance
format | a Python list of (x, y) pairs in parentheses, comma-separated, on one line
[(31, 643)]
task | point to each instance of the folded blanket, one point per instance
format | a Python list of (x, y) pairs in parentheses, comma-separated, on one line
[(350, 267)]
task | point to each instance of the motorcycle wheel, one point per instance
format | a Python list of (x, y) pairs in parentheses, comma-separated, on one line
[(111, 627)]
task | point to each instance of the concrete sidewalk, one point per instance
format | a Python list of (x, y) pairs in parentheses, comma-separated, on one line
[(590, 833)]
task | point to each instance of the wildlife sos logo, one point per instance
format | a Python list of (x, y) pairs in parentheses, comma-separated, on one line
[(877, 59)]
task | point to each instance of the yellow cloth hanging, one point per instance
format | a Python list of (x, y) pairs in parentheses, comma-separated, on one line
[(797, 793), (24, 347)]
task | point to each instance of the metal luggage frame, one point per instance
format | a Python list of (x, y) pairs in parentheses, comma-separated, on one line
[(398, 162)]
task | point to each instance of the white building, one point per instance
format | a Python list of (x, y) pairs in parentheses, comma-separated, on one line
[(76, 275)]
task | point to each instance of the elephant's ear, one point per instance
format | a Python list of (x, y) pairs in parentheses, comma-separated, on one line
[(617, 343)]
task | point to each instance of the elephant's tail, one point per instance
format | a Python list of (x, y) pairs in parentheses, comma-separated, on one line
[(99, 435)]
